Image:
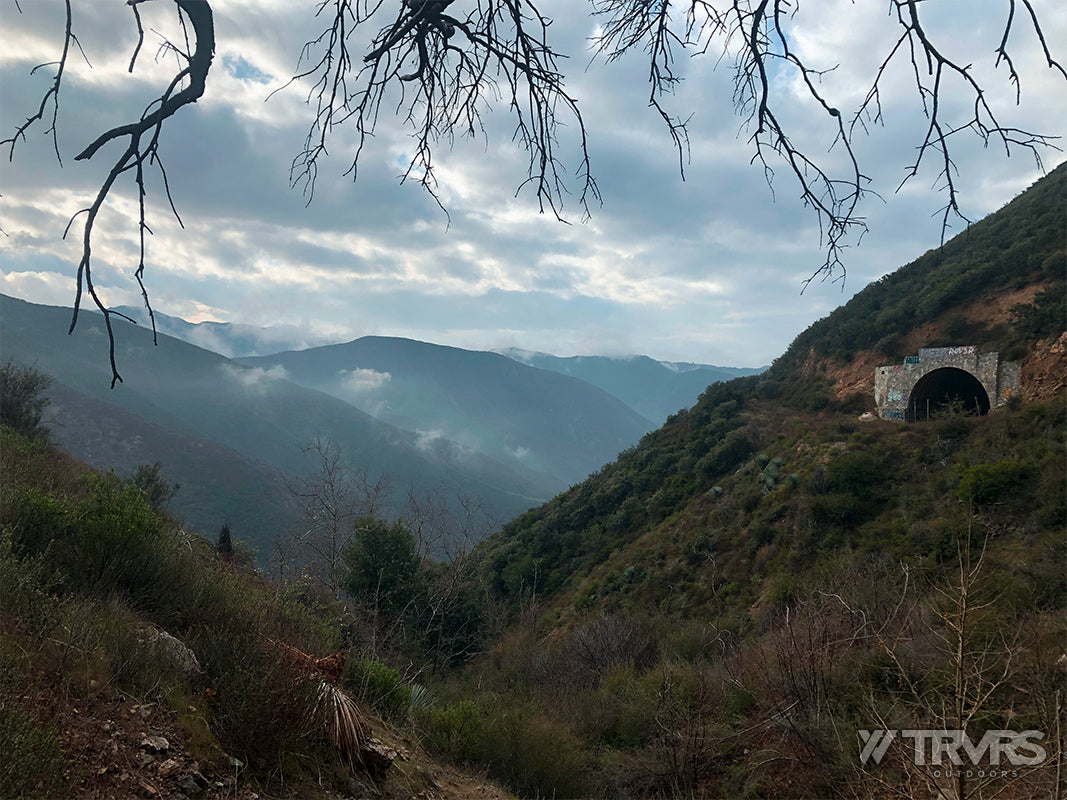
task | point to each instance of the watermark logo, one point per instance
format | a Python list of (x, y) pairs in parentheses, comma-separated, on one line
[(937, 747)]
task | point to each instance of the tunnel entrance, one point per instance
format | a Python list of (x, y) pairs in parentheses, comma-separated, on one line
[(944, 388)]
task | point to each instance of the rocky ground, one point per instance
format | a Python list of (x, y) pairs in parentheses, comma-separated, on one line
[(117, 748)]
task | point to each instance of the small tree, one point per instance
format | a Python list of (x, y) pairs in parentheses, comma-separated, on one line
[(156, 489), (225, 543), (23, 398), (332, 498), (382, 564)]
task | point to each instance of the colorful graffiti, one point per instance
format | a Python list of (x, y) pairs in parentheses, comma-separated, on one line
[(892, 413)]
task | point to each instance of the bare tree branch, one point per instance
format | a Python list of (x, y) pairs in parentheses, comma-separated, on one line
[(51, 96), (138, 152), (141, 139), (439, 65), (442, 71), (753, 34)]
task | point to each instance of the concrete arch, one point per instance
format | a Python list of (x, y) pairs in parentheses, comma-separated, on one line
[(937, 374), (943, 386)]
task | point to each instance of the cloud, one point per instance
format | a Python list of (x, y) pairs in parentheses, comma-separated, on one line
[(362, 381), (52, 287), (256, 380), (428, 441), (708, 269)]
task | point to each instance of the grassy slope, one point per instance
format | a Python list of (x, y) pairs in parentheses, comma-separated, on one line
[(89, 576), (666, 590)]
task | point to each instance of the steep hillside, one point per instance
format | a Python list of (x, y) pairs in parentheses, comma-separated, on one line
[(136, 661), (1017, 252), (546, 421), (723, 609), (655, 389), (963, 292)]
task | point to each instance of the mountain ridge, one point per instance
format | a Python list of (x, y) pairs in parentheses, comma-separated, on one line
[(655, 389), (556, 424), (193, 392)]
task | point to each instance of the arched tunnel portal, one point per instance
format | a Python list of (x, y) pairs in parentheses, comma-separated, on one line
[(941, 388)]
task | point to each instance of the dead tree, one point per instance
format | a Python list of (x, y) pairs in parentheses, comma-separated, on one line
[(331, 497), (955, 662)]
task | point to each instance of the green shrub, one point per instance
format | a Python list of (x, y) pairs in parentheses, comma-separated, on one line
[(889, 345), (105, 541), (838, 508), (533, 754), (857, 473), (381, 562), (1044, 317), (455, 730), (25, 590), (626, 709), (378, 685), (725, 456), (986, 483), (157, 490), (23, 398)]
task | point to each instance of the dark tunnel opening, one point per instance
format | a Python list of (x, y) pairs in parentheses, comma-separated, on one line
[(946, 388)]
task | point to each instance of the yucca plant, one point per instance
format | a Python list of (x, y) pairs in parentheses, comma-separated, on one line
[(335, 710), (421, 698), (342, 719)]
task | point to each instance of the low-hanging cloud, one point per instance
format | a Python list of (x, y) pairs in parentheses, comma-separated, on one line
[(255, 379), (361, 381)]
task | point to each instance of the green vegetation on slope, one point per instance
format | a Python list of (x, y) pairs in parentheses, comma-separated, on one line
[(736, 644), (672, 467), (106, 603), (721, 610)]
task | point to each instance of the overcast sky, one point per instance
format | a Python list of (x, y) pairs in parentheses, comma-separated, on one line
[(709, 269)]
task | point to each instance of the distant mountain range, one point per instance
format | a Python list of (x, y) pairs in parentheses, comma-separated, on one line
[(231, 434), (552, 423), (654, 389), (510, 429)]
